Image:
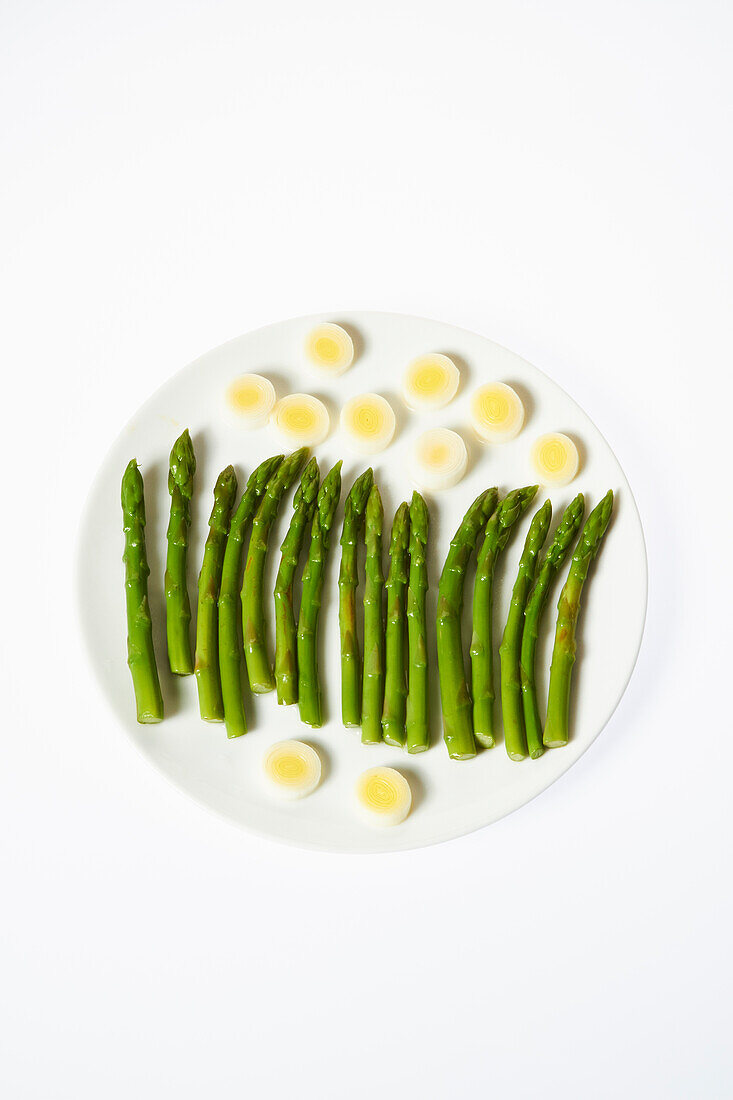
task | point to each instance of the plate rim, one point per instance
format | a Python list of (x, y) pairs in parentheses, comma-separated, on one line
[(299, 842)]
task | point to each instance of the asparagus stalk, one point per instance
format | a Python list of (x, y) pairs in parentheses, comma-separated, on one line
[(259, 669), (496, 536), (454, 694), (208, 679), (286, 631), (416, 718), (373, 680), (309, 688), (395, 637), (351, 672), (230, 646), (511, 687), (553, 559), (563, 654), (181, 469), (140, 651)]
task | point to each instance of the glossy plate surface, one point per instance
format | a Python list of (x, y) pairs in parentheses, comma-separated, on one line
[(449, 798)]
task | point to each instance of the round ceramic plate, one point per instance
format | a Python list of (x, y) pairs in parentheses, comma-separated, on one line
[(450, 798)]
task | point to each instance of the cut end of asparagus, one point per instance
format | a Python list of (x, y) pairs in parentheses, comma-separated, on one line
[(392, 736), (370, 738), (182, 668), (262, 687), (486, 740)]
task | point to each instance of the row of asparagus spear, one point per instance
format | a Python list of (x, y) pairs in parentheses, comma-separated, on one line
[(469, 714), (386, 692)]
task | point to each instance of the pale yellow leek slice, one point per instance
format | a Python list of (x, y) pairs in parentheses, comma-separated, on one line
[(383, 796), (251, 397), (497, 413), (330, 348), (367, 423), (301, 420), (430, 382), (555, 458), (438, 460), (291, 769)]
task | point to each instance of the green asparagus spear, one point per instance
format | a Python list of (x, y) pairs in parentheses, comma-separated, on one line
[(416, 719), (454, 694), (563, 654), (140, 651), (496, 536), (286, 631), (230, 647), (181, 469), (309, 688), (395, 635), (354, 506), (553, 559), (208, 679), (511, 687), (372, 697), (259, 669)]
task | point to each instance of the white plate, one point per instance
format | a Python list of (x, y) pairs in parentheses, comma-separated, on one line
[(450, 797)]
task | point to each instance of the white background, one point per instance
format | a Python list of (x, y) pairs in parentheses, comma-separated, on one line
[(555, 175)]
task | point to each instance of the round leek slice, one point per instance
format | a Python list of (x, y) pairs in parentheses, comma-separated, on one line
[(330, 348), (497, 413), (384, 796), (301, 419), (438, 460), (555, 458), (252, 398), (368, 423), (291, 769), (430, 382)]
